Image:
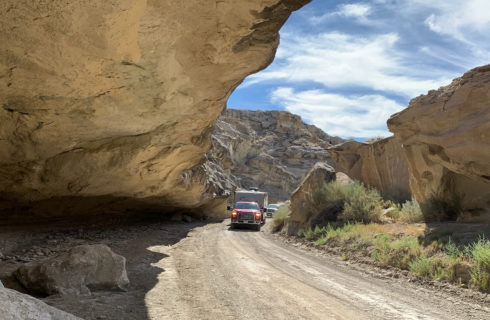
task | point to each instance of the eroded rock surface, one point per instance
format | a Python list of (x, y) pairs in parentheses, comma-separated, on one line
[(381, 164), (446, 139), (271, 150), (18, 306), (78, 271), (301, 199), (104, 104)]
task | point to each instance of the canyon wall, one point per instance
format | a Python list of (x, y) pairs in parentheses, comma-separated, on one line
[(446, 140), (107, 106), (270, 150), (381, 164)]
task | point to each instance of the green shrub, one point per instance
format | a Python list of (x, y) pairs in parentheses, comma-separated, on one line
[(451, 249), (313, 234), (479, 253), (361, 204), (279, 218), (410, 212), (422, 266), (321, 241)]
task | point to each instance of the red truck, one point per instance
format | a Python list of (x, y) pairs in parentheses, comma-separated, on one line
[(247, 213)]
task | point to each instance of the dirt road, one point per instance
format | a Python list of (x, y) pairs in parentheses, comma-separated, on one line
[(203, 270), (217, 273)]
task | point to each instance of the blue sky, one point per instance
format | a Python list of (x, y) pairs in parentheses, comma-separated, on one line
[(347, 66)]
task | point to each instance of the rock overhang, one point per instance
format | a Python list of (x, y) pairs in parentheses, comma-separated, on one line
[(116, 100)]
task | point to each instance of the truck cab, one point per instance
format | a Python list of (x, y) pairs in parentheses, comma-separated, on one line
[(253, 195), (247, 213)]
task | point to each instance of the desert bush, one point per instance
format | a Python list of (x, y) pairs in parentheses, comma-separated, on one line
[(422, 266), (451, 249), (410, 212), (479, 253), (361, 204), (313, 234), (279, 218)]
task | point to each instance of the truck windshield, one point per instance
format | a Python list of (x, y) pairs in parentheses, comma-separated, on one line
[(242, 205)]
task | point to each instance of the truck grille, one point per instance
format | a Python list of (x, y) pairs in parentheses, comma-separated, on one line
[(245, 216)]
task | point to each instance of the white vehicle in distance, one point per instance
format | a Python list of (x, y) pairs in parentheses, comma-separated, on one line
[(273, 208)]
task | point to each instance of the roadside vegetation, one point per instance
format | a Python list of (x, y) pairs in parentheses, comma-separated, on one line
[(394, 235), (280, 217), (360, 204)]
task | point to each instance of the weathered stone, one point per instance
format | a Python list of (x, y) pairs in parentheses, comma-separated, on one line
[(104, 104), (18, 306), (81, 269), (446, 139), (381, 164), (301, 199), (270, 150)]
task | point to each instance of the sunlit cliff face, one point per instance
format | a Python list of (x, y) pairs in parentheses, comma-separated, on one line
[(107, 105)]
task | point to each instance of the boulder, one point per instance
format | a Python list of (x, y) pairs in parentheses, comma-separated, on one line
[(18, 306), (381, 164), (445, 136), (301, 199), (107, 106), (81, 269)]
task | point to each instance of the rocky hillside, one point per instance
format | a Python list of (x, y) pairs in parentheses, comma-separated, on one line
[(108, 105), (446, 140), (270, 150)]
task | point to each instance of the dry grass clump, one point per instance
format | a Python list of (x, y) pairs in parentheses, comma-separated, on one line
[(440, 259)]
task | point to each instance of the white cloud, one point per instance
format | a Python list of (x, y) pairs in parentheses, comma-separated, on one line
[(354, 10), (459, 19), (346, 116), (358, 11), (338, 60)]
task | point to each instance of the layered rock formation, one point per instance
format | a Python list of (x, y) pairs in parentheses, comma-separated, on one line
[(108, 105), (446, 139), (381, 164), (271, 150)]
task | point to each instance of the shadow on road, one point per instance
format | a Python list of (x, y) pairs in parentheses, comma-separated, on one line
[(138, 242), (242, 228)]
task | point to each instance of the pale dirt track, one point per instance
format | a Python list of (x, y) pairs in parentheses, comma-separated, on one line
[(217, 273), (204, 270)]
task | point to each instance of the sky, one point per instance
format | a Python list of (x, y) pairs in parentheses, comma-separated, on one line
[(347, 66)]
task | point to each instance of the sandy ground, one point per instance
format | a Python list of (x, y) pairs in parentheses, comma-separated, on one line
[(207, 271)]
